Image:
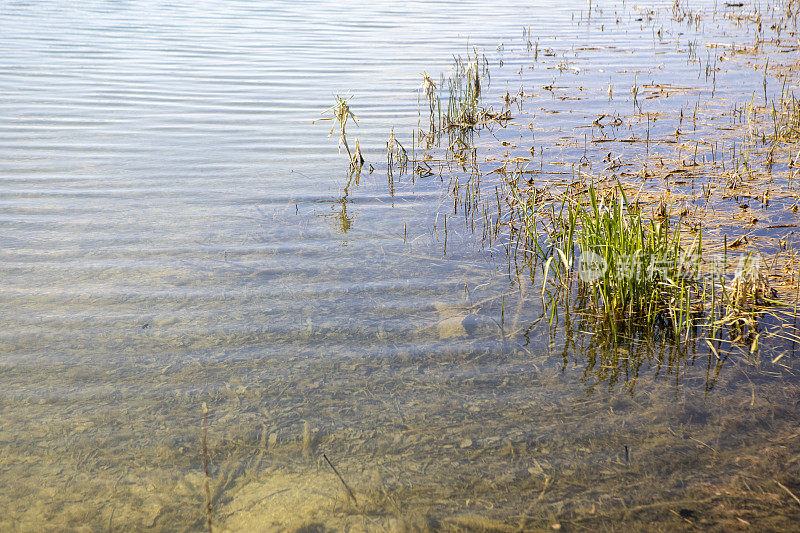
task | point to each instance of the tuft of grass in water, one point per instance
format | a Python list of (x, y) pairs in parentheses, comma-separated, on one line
[(464, 93), (741, 302), (632, 270), (340, 114), (786, 119), (458, 112), (629, 271)]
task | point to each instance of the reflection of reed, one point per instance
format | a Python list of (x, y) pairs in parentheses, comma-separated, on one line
[(342, 220)]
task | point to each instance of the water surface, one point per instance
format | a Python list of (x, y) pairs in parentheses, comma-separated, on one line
[(178, 227)]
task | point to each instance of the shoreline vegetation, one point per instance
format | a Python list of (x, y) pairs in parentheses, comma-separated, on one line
[(690, 233)]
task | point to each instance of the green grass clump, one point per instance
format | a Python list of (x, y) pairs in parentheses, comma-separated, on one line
[(645, 276), (464, 98), (629, 270), (464, 93)]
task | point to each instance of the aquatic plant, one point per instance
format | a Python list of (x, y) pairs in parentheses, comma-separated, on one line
[(464, 92), (428, 87), (396, 155), (648, 275), (340, 114), (786, 118), (630, 270)]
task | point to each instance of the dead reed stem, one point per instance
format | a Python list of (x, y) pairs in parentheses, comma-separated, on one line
[(207, 483), (344, 483)]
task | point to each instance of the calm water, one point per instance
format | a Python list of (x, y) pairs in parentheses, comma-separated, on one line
[(176, 229), (162, 168)]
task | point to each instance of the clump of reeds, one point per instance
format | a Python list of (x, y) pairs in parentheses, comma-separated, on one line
[(464, 93), (750, 288), (629, 270), (648, 276), (786, 119)]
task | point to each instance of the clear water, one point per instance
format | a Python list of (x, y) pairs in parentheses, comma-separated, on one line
[(162, 167), (176, 229)]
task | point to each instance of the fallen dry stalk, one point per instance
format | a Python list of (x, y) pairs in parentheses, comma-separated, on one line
[(344, 483), (207, 484)]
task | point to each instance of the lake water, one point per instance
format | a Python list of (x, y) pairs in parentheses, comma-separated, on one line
[(179, 227)]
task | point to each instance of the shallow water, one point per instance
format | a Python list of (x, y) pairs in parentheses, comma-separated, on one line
[(178, 227)]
